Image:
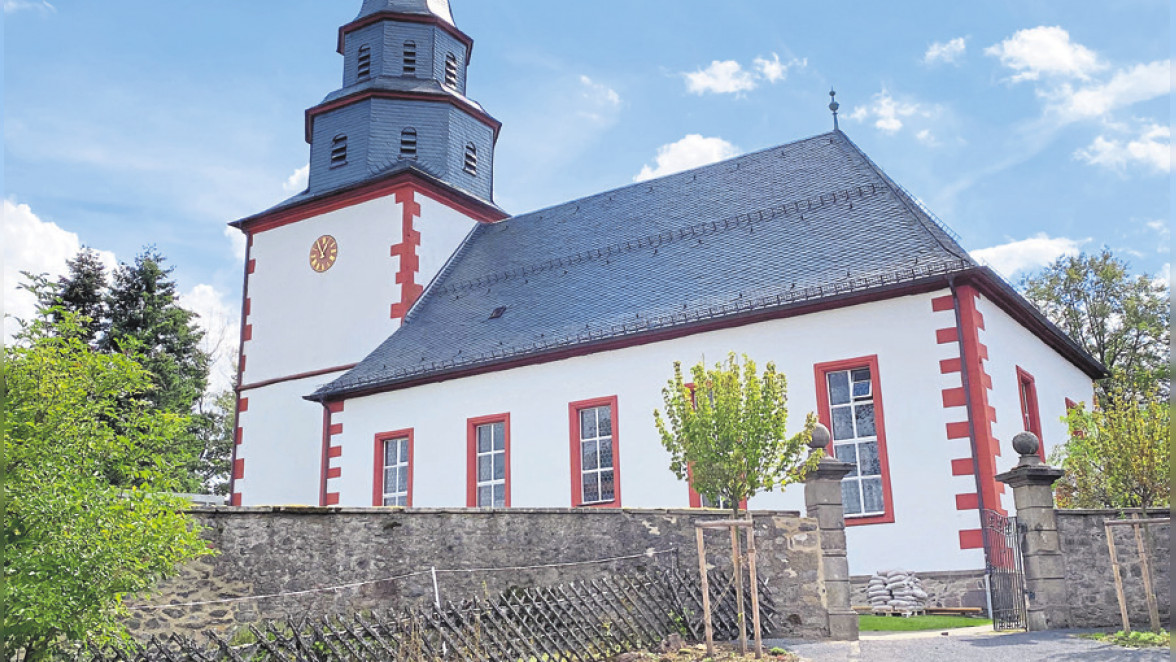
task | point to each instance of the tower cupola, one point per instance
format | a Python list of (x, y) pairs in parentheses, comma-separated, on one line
[(402, 104)]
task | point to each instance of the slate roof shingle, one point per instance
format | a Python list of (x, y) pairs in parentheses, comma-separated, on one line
[(799, 222)]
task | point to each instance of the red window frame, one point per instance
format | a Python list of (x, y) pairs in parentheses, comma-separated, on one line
[(820, 370), (378, 465), (472, 456), (574, 445), (1030, 413)]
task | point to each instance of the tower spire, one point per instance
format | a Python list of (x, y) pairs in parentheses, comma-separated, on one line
[(833, 106)]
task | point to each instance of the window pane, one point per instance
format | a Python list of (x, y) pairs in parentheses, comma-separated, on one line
[(485, 494), (389, 452), (838, 388), (402, 478), (847, 453), (500, 496), (591, 489), (606, 486), (850, 497), (499, 436), (872, 499), (483, 432), (868, 464), (842, 423), (861, 375), (604, 414), (395, 501), (485, 466), (588, 456), (587, 423), (499, 466), (606, 456), (404, 450), (390, 484), (865, 420)]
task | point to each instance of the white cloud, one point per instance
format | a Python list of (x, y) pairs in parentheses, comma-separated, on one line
[(600, 103), (237, 239), (13, 6), (297, 181), (35, 246), (927, 138), (222, 332), (1160, 227), (888, 113), (774, 70), (1141, 82), (1045, 51), (690, 152), (1165, 276), (1025, 254), (725, 77), (1152, 149), (948, 52)]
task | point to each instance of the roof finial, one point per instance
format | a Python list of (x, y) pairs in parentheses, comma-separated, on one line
[(833, 106)]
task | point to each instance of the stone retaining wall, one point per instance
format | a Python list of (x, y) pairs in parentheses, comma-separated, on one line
[(273, 550), (1090, 582), (955, 588)]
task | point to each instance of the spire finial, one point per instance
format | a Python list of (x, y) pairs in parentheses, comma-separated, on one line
[(833, 106)]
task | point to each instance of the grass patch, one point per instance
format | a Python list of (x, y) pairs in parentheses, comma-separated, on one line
[(1134, 639), (876, 623)]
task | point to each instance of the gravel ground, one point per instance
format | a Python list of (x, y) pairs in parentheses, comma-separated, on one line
[(978, 644)]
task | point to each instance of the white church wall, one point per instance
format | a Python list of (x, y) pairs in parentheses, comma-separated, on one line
[(281, 444), (1011, 346), (305, 321), (901, 332), (442, 230)]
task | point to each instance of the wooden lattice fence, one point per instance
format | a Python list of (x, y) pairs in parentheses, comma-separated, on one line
[(577, 622)]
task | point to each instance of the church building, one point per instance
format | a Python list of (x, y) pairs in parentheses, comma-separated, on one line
[(407, 343)]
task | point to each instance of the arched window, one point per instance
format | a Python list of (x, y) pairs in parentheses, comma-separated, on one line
[(451, 70), (471, 159), (339, 150), (364, 68), (408, 143), (410, 58)]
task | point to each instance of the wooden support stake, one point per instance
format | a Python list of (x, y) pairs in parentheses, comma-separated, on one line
[(755, 611), (737, 561), (1118, 579), (706, 610), (1153, 611)]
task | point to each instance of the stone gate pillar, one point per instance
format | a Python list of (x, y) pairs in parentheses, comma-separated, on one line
[(1045, 585), (822, 500)]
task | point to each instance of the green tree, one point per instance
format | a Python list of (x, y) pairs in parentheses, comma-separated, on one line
[(1122, 321), (1117, 455), (75, 544), (146, 319), (82, 291), (728, 433), (212, 425)]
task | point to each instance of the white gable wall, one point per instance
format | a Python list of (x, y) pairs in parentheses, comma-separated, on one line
[(901, 332), (1010, 346)]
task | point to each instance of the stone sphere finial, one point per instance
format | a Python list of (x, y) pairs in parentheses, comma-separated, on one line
[(820, 438), (1026, 443)]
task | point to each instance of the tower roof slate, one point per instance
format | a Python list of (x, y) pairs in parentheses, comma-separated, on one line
[(438, 8), (811, 221)]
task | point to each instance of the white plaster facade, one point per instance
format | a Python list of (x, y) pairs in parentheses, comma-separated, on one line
[(303, 326)]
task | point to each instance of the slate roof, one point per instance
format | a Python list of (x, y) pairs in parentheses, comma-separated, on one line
[(438, 8), (796, 223)]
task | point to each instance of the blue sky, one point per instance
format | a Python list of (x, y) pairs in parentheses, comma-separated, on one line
[(1033, 128)]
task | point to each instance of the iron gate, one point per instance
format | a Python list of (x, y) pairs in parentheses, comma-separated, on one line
[(1006, 575)]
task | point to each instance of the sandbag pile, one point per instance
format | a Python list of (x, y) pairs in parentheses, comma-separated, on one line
[(896, 591)]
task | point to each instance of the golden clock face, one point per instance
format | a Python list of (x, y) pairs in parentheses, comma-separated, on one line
[(323, 253)]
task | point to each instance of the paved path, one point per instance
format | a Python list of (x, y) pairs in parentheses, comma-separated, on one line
[(979, 644)]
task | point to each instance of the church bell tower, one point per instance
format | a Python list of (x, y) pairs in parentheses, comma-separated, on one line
[(401, 169)]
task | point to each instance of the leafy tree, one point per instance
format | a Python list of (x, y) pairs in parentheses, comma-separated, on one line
[(1117, 455), (76, 543), (728, 433), (1123, 322), (146, 318), (82, 291), (212, 425)]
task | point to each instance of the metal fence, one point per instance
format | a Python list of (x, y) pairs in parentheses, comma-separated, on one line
[(576, 622)]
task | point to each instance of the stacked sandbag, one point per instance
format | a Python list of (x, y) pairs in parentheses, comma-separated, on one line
[(877, 593), (896, 591)]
